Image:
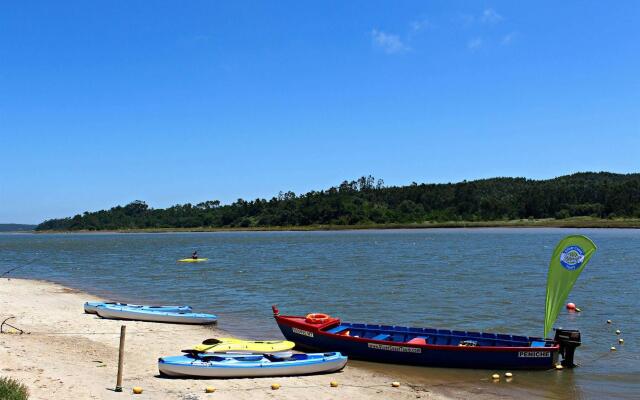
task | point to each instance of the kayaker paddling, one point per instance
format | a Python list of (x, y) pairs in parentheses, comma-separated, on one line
[(194, 255)]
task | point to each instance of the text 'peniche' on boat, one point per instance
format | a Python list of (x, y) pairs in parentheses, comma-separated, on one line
[(453, 348)]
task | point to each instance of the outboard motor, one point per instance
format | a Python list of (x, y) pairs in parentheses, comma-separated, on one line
[(568, 339)]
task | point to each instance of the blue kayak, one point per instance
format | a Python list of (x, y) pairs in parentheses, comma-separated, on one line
[(90, 307), (134, 314), (258, 365)]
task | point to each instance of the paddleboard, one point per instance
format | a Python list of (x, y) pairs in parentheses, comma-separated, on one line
[(193, 259)]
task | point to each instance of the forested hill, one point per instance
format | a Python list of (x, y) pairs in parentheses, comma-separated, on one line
[(367, 202)]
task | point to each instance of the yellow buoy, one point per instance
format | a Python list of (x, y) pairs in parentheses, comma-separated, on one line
[(495, 377), (137, 390), (608, 321), (333, 384), (275, 386), (618, 331), (613, 348), (209, 389), (395, 384), (508, 374), (621, 340), (559, 366)]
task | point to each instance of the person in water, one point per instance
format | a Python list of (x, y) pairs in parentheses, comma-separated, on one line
[(195, 255)]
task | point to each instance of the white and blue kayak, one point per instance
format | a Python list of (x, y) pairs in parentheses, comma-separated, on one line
[(248, 366), (90, 307), (134, 314)]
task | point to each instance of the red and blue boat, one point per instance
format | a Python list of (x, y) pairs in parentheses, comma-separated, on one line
[(453, 348), (427, 346)]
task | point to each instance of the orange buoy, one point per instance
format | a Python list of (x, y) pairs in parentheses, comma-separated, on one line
[(571, 306)]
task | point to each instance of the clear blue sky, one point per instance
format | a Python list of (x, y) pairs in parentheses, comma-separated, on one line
[(102, 103)]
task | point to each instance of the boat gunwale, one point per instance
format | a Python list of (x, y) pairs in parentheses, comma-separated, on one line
[(318, 330)]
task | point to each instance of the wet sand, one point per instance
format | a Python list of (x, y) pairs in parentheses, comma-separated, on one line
[(68, 354)]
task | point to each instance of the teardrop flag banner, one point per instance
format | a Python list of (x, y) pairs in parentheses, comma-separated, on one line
[(567, 262)]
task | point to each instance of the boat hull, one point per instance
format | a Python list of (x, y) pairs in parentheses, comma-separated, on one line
[(111, 312), (482, 357), (232, 367)]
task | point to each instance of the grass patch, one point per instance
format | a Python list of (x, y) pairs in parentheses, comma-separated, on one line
[(11, 389)]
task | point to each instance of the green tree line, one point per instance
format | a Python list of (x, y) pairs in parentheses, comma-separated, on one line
[(368, 201)]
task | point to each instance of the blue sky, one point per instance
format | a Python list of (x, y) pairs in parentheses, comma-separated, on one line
[(102, 103)]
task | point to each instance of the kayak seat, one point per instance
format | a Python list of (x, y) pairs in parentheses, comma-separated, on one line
[(382, 336), (211, 341), (274, 358)]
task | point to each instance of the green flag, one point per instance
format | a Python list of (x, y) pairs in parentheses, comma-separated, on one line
[(567, 262)]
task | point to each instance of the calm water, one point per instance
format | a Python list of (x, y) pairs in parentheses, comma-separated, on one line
[(482, 279)]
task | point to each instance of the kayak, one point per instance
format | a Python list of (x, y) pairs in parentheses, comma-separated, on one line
[(116, 312), (220, 366), (240, 354), (193, 259), (90, 307), (224, 345)]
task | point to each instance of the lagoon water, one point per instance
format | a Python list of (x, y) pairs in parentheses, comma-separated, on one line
[(480, 279)]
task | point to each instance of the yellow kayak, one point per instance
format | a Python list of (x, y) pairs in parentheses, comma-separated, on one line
[(193, 259), (224, 345)]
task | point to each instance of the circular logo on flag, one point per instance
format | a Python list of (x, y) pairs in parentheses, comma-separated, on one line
[(572, 257)]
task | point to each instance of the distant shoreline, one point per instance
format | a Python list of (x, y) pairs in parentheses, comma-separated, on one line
[(576, 222)]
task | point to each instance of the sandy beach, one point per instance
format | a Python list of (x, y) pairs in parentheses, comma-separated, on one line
[(68, 354)]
